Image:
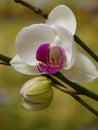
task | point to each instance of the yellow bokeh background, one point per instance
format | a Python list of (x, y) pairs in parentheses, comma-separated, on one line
[(64, 113)]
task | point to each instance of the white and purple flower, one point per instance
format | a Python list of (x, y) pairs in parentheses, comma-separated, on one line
[(49, 48)]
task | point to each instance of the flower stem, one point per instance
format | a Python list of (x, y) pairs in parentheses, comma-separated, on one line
[(35, 9), (4, 60), (80, 89), (61, 80), (85, 47), (74, 95), (81, 101)]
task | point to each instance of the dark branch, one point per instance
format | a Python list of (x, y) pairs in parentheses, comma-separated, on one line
[(85, 47), (35, 9)]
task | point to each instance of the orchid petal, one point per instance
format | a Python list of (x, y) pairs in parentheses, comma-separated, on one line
[(82, 71), (20, 66), (66, 41), (30, 38), (62, 15)]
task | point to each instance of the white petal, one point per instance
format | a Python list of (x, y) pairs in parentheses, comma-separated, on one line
[(21, 67), (82, 71), (62, 15), (66, 41), (30, 38)]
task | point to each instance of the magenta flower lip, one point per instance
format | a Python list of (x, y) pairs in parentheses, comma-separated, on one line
[(50, 58)]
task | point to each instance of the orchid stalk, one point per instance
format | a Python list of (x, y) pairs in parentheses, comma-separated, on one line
[(60, 58), (5, 60)]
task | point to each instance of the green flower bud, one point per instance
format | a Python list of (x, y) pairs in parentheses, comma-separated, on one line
[(37, 93)]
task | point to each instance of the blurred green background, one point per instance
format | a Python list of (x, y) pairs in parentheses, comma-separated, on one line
[(64, 113)]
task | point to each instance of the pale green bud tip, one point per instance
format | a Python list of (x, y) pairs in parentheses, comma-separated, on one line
[(37, 93)]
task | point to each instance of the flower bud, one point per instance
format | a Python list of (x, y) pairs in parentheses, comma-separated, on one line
[(37, 93)]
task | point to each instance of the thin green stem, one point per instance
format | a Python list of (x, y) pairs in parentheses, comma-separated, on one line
[(85, 47), (35, 9), (65, 90), (74, 94), (81, 101), (80, 89), (4, 59)]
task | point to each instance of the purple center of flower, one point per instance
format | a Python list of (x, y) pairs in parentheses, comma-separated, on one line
[(50, 58)]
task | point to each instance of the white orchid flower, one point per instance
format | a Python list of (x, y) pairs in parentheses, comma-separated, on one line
[(49, 48)]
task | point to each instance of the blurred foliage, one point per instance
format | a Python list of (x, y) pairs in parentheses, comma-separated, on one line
[(64, 113)]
